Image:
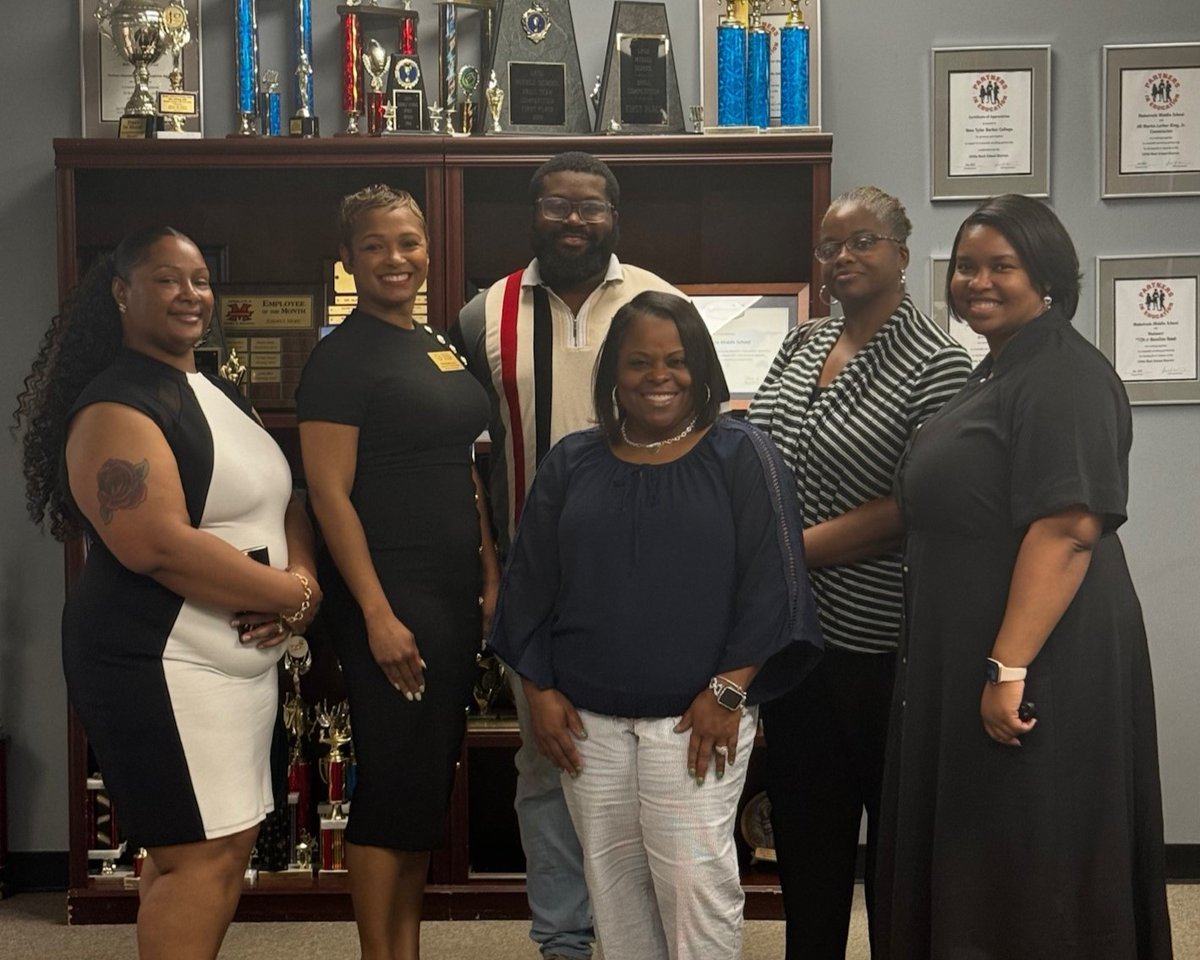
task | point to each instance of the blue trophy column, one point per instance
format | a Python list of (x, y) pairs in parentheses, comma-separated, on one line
[(758, 72), (731, 72), (793, 72), (247, 67)]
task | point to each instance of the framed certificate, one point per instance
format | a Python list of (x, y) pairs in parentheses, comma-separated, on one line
[(1151, 120), (748, 323), (709, 16), (1147, 325), (939, 312), (991, 122)]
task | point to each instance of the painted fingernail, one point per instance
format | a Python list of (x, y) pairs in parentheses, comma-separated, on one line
[(421, 688), (720, 774), (396, 686), (692, 773), (582, 733), (408, 696), (574, 774), (417, 695), (699, 781), (424, 665)]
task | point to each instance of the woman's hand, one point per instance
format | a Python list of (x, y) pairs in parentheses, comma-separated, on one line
[(556, 727), (395, 650), (261, 629), (714, 733), (998, 708)]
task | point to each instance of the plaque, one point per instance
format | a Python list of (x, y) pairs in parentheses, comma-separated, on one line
[(272, 328), (409, 107), (536, 61), (639, 89)]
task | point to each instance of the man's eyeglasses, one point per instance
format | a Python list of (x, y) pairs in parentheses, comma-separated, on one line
[(859, 243), (559, 208)]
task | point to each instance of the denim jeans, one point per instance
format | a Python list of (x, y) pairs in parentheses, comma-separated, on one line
[(554, 882)]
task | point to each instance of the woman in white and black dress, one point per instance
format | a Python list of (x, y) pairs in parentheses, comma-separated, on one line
[(171, 477)]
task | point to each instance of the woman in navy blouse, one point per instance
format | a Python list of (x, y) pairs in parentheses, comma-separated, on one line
[(656, 591)]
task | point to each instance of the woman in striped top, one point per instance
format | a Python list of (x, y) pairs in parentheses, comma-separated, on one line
[(842, 401)]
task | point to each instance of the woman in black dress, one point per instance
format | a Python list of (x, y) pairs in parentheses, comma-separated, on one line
[(1007, 834), (171, 477), (388, 414)]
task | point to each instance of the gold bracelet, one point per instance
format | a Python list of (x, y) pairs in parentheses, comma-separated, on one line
[(303, 608)]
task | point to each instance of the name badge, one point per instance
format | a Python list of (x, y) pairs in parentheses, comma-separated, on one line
[(446, 361)]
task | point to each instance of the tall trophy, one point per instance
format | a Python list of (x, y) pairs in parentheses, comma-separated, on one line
[(176, 104), (298, 722), (335, 732), (758, 69), (139, 35), (495, 99), (246, 25), (271, 111), (303, 122), (460, 83), (352, 55), (378, 64), (731, 68), (793, 69)]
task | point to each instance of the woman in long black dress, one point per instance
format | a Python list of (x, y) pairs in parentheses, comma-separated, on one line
[(388, 414), (1005, 834), (171, 477)]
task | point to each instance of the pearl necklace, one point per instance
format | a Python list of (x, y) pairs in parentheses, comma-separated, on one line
[(658, 443)]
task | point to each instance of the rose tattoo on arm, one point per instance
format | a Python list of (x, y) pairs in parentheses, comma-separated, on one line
[(122, 486)]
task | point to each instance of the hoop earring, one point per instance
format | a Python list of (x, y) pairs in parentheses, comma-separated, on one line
[(825, 297), (616, 407)]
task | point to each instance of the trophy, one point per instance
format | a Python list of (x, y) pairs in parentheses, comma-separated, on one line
[(638, 92), (233, 369), (352, 55), (731, 68), (177, 103), (495, 99), (378, 64), (435, 118), (793, 69), (335, 731), (758, 69), (270, 104), (303, 122), (138, 33), (460, 84), (246, 17), (297, 720)]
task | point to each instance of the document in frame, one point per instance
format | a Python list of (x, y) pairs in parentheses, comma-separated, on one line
[(991, 123)]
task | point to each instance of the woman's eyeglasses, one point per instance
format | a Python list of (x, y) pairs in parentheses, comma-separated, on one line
[(859, 243), (559, 208)]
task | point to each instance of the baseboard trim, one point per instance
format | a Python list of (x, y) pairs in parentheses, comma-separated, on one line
[(47, 871)]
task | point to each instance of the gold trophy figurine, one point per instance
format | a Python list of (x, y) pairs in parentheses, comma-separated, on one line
[(233, 369), (335, 732), (495, 99), (175, 19)]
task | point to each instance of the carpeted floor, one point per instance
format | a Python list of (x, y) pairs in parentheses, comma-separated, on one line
[(32, 927)]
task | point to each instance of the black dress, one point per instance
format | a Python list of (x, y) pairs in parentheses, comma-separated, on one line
[(1055, 849), (418, 411)]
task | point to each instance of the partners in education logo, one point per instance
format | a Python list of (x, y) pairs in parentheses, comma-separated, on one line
[(1161, 90), (1156, 299), (990, 92)]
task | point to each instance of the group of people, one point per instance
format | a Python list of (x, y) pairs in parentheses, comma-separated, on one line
[(908, 570)]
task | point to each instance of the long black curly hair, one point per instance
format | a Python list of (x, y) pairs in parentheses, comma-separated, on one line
[(83, 339)]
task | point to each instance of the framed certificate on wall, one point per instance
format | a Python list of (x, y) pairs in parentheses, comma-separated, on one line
[(1147, 324), (991, 122), (1151, 120)]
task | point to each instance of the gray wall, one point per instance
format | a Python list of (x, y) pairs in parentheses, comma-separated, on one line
[(877, 138)]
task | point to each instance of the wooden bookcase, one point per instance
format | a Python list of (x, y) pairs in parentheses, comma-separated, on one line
[(694, 209)]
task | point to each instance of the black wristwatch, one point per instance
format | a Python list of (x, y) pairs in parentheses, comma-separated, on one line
[(728, 694)]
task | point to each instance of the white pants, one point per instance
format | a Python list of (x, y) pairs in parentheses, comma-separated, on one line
[(659, 855)]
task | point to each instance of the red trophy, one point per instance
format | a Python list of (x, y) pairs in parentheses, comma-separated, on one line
[(352, 58), (335, 731)]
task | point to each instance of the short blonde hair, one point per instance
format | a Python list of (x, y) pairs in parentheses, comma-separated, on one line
[(378, 196)]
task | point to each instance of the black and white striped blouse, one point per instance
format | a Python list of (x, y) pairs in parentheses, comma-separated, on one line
[(845, 442)]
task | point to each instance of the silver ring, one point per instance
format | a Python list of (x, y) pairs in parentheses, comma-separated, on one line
[(722, 751)]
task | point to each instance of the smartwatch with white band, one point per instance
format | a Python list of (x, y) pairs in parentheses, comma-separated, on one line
[(996, 672)]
